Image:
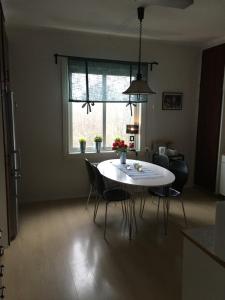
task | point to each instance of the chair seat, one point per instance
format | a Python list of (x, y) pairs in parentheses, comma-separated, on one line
[(164, 192), (116, 195), (173, 192)]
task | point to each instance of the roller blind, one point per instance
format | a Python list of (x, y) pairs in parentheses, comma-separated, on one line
[(94, 81)]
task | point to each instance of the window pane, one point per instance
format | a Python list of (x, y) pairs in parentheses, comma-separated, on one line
[(86, 125), (117, 117), (79, 86), (95, 87), (115, 86)]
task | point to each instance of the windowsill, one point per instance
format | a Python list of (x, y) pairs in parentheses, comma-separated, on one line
[(91, 152), (98, 153)]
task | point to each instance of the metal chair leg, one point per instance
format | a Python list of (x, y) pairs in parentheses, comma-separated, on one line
[(141, 203), (122, 205), (143, 206), (185, 218), (96, 208), (106, 211), (126, 211), (134, 216), (158, 208), (130, 220), (165, 215), (89, 196)]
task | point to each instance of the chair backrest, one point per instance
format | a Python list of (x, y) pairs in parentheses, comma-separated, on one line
[(180, 169), (90, 171), (99, 181), (161, 160)]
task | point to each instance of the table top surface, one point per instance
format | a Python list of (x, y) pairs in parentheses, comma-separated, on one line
[(151, 175)]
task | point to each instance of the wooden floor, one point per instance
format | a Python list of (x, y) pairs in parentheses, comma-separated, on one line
[(60, 254)]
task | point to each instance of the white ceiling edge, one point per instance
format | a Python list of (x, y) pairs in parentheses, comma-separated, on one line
[(198, 44), (181, 4), (195, 44)]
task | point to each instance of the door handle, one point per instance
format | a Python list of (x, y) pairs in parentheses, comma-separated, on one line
[(1, 251), (1, 270), (2, 292), (17, 176), (18, 160)]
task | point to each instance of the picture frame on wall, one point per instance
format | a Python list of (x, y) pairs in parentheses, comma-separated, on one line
[(172, 101)]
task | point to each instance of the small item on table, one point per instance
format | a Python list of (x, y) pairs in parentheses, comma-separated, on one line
[(138, 167), (135, 165)]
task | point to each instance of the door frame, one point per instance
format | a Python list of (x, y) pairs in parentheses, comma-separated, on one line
[(221, 147)]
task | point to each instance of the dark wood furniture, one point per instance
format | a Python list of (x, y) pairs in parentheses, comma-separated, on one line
[(2, 267), (209, 116), (11, 153)]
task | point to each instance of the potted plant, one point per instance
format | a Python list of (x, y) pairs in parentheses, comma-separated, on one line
[(82, 141), (121, 148), (98, 142)]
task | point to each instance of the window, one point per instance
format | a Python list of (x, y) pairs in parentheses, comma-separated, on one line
[(102, 83), (108, 120)]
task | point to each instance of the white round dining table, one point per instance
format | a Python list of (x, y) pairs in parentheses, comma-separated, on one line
[(153, 175), (147, 175)]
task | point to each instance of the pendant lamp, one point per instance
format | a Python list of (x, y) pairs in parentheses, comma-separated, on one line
[(139, 86)]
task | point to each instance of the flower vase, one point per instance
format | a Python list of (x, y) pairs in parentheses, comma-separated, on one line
[(123, 157), (98, 146), (82, 147)]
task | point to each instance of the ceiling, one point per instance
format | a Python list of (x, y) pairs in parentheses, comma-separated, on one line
[(201, 22)]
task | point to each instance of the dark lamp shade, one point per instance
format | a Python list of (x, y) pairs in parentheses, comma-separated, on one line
[(139, 87), (132, 129)]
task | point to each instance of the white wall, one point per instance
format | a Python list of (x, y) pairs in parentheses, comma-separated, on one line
[(47, 173)]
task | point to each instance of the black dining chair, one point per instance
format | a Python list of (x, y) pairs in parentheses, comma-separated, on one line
[(162, 161), (180, 169), (91, 176), (108, 196)]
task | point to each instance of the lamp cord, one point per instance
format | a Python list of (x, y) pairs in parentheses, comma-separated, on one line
[(139, 57)]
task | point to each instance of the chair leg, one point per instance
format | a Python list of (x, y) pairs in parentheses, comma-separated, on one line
[(163, 212), (167, 213), (143, 206), (96, 208), (185, 218), (134, 216), (158, 208), (141, 203), (122, 208), (106, 211), (126, 210), (89, 196), (130, 216)]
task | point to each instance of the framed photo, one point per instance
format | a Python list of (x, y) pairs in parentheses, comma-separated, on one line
[(172, 101)]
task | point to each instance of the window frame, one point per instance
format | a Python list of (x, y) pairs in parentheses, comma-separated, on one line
[(104, 129), (68, 149)]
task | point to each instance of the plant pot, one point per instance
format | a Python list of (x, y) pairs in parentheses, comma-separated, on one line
[(98, 146), (82, 147), (123, 157)]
